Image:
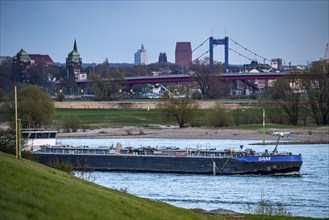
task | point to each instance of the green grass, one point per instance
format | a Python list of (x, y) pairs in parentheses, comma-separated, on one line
[(267, 126), (95, 118), (113, 117), (32, 191)]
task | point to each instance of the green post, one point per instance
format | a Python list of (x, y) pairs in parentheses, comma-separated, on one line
[(263, 126), (19, 139)]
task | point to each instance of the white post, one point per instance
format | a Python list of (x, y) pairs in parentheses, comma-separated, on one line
[(263, 126)]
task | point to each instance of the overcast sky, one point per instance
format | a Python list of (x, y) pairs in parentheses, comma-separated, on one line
[(296, 31)]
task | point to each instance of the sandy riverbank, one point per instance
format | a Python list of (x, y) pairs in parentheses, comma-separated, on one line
[(314, 135)]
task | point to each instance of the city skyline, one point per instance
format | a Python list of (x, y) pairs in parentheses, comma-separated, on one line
[(296, 31)]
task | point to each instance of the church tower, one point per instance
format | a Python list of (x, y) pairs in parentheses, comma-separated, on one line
[(73, 62)]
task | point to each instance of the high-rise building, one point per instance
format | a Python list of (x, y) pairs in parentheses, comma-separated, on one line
[(141, 56), (163, 58), (183, 54), (73, 62)]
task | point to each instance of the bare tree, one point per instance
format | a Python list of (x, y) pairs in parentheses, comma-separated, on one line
[(316, 84), (286, 94), (183, 110), (209, 83)]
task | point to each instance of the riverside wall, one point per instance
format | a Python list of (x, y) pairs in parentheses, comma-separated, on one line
[(148, 104)]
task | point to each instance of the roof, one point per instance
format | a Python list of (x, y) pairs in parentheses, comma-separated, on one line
[(41, 60), (22, 56), (74, 54)]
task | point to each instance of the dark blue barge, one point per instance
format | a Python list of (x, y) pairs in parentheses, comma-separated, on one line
[(198, 161)]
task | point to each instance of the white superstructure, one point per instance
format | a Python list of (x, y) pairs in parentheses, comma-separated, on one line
[(33, 139)]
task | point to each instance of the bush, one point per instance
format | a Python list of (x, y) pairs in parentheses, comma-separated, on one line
[(8, 142), (247, 116), (63, 166), (275, 115), (265, 207), (219, 117), (70, 123), (237, 117)]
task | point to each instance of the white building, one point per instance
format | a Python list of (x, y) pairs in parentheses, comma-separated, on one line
[(276, 63), (141, 56)]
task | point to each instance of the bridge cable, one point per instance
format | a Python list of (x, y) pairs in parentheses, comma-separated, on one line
[(232, 51), (240, 54), (200, 45), (249, 50), (206, 52)]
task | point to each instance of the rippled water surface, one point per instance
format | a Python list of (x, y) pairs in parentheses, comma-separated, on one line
[(305, 195)]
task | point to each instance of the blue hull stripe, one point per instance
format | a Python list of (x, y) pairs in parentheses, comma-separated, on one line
[(270, 158)]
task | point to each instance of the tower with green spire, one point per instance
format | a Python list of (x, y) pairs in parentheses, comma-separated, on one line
[(73, 62), (21, 62)]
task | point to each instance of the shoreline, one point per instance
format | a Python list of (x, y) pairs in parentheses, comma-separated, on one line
[(298, 136)]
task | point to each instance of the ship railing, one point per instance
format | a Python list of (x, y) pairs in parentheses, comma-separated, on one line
[(149, 152)]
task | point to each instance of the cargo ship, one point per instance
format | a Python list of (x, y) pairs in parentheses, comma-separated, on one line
[(167, 159)]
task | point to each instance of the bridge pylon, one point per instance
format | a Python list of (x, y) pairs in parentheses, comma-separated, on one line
[(213, 42)]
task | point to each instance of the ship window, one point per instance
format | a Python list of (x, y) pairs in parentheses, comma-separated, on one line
[(25, 135), (39, 135), (32, 135), (52, 135)]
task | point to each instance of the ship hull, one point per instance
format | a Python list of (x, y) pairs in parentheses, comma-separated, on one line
[(176, 164)]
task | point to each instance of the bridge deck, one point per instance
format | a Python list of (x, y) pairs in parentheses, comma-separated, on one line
[(191, 78)]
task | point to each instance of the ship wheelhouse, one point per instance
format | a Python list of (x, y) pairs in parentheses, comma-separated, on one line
[(33, 139)]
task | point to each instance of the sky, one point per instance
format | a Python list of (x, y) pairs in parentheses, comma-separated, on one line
[(295, 31)]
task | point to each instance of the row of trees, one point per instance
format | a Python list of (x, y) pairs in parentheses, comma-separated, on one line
[(308, 89), (301, 91)]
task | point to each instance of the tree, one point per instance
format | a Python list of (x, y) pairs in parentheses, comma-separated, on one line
[(103, 69), (181, 109), (316, 84), (35, 107), (209, 84), (106, 88), (68, 86), (37, 75), (285, 94)]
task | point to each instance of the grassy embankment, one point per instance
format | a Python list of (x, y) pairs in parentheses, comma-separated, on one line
[(33, 191)]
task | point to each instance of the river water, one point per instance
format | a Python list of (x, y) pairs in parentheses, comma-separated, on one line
[(302, 195)]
